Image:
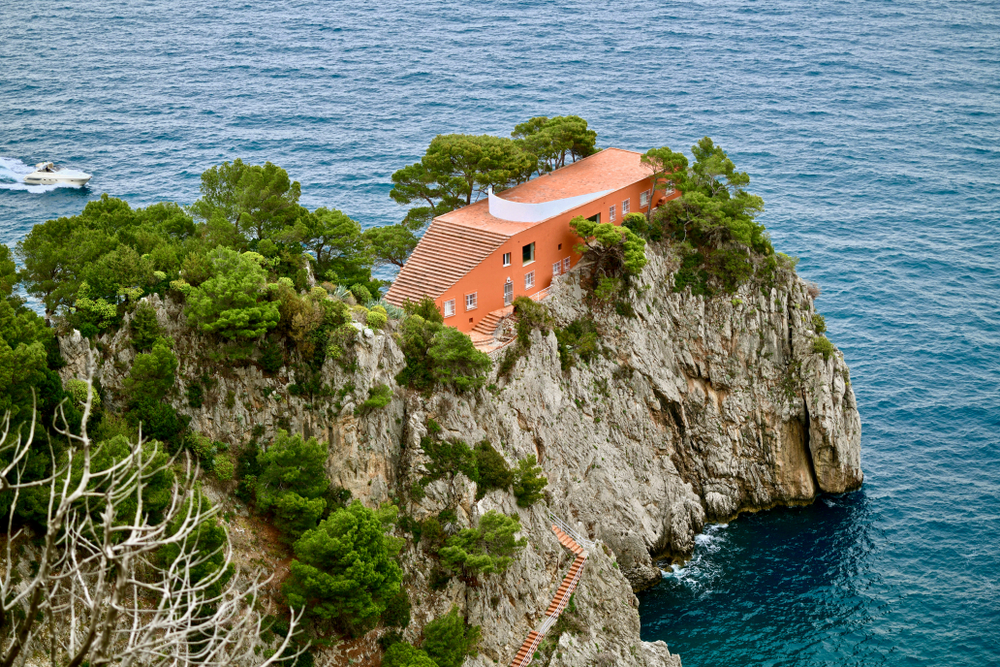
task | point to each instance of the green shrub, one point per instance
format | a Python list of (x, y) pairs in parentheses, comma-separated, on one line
[(822, 345), (379, 396), (272, 357), (439, 355), (692, 274), (731, 266), (144, 327), (530, 315), (494, 473), (377, 320), (195, 395), (361, 294), (819, 323), (528, 482), (344, 575), (579, 340), (402, 654), (448, 640), (615, 251), (397, 610), (77, 389), (292, 482), (485, 549), (449, 457), (232, 302), (637, 223), (152, 374), (426, 309), (201, 447), (223, 467)]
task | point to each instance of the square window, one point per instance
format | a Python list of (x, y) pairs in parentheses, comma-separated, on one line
[(471, 301), (565, 265), (506, 259), (528, 253), (611, 213), (449, 308), (555, 268), (625, 206), (529, 280)]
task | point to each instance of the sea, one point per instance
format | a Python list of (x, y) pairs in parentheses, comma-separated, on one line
[(871, 129)]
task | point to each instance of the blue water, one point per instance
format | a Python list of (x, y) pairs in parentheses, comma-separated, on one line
[(870, 128)]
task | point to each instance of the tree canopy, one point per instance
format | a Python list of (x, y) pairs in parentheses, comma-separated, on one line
[(489, 547), (232, 301), (553, 140)]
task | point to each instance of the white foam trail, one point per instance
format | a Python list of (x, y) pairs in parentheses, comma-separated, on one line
[(12, 173)]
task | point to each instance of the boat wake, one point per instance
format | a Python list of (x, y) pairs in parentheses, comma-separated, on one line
[(13, 171)]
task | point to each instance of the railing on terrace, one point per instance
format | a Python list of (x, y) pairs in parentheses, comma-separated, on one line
[(577, 537)]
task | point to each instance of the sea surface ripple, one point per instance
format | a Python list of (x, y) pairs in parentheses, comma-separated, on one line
[(870, 128)]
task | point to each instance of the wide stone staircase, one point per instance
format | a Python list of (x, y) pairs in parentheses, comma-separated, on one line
[(575, 543)]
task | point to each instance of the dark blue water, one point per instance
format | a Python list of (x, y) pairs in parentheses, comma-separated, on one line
[(871, 129)]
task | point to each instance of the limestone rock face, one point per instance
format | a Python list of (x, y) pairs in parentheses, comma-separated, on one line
[(697, 410)]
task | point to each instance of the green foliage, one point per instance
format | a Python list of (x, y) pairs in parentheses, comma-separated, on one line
[(579, 340), (361, 294), (426, 309), (377, 320), (552, 140), (402, 654), (528, 482), (336, 243), (822, 345), (390, 245), (379, 396), (144, 327), (8, 272), (692, 274), (223, 467), (448, 640), (231, 302), (607, 289), (439, 355), (637, 223), (530, 315), (272, 357), (77, 389), (455, 168), (397, 610), (488, 548), (209, 542), (615, 251), (152, 375), (251, 201), (492, 468), (344, 575), (292, 482), (448, 458), (819, 323)]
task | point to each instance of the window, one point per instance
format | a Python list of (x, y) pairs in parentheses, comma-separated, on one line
[(449, 308), (560, 246), (565, 265), (508, 293), (555, 269), (506, 259), (625, 207), (611, 213), (595, 218), (644, 199), (471, 301), (529, 280), (528, 253)]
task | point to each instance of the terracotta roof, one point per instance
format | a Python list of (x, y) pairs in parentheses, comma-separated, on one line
[(610, 169), (458, 241), (445, 254)]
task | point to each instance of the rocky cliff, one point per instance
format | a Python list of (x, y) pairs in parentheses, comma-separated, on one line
[(698, 410)]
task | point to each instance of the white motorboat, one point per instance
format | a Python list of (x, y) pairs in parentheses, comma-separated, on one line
[(46, 173)]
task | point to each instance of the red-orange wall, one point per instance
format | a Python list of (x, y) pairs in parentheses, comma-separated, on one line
[(488, 279)]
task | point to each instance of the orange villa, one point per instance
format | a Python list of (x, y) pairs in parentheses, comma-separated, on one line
[(475, 260)]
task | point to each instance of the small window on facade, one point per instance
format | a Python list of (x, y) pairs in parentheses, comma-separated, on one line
[(625, 206), (508, 293), (611, 213), (528, 253), (449, 308), (560, 246), (506, 259), (565, 265), (644, 199), (555, 268), (529, 280), (471, 301)]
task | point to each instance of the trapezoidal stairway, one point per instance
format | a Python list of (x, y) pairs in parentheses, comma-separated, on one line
[(570, 539)]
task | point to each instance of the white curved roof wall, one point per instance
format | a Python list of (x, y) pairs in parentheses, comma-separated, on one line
[(514, 211)]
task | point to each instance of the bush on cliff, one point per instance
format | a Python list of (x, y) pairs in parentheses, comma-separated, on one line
[(292, 482), (232, 302), (528, 482), (485, 549), (437, 354), (494, 473), (344, 575), (616, 252), (402, 654), (448, 640)]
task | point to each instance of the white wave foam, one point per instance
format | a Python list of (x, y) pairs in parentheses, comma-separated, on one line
[(12, 173)]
